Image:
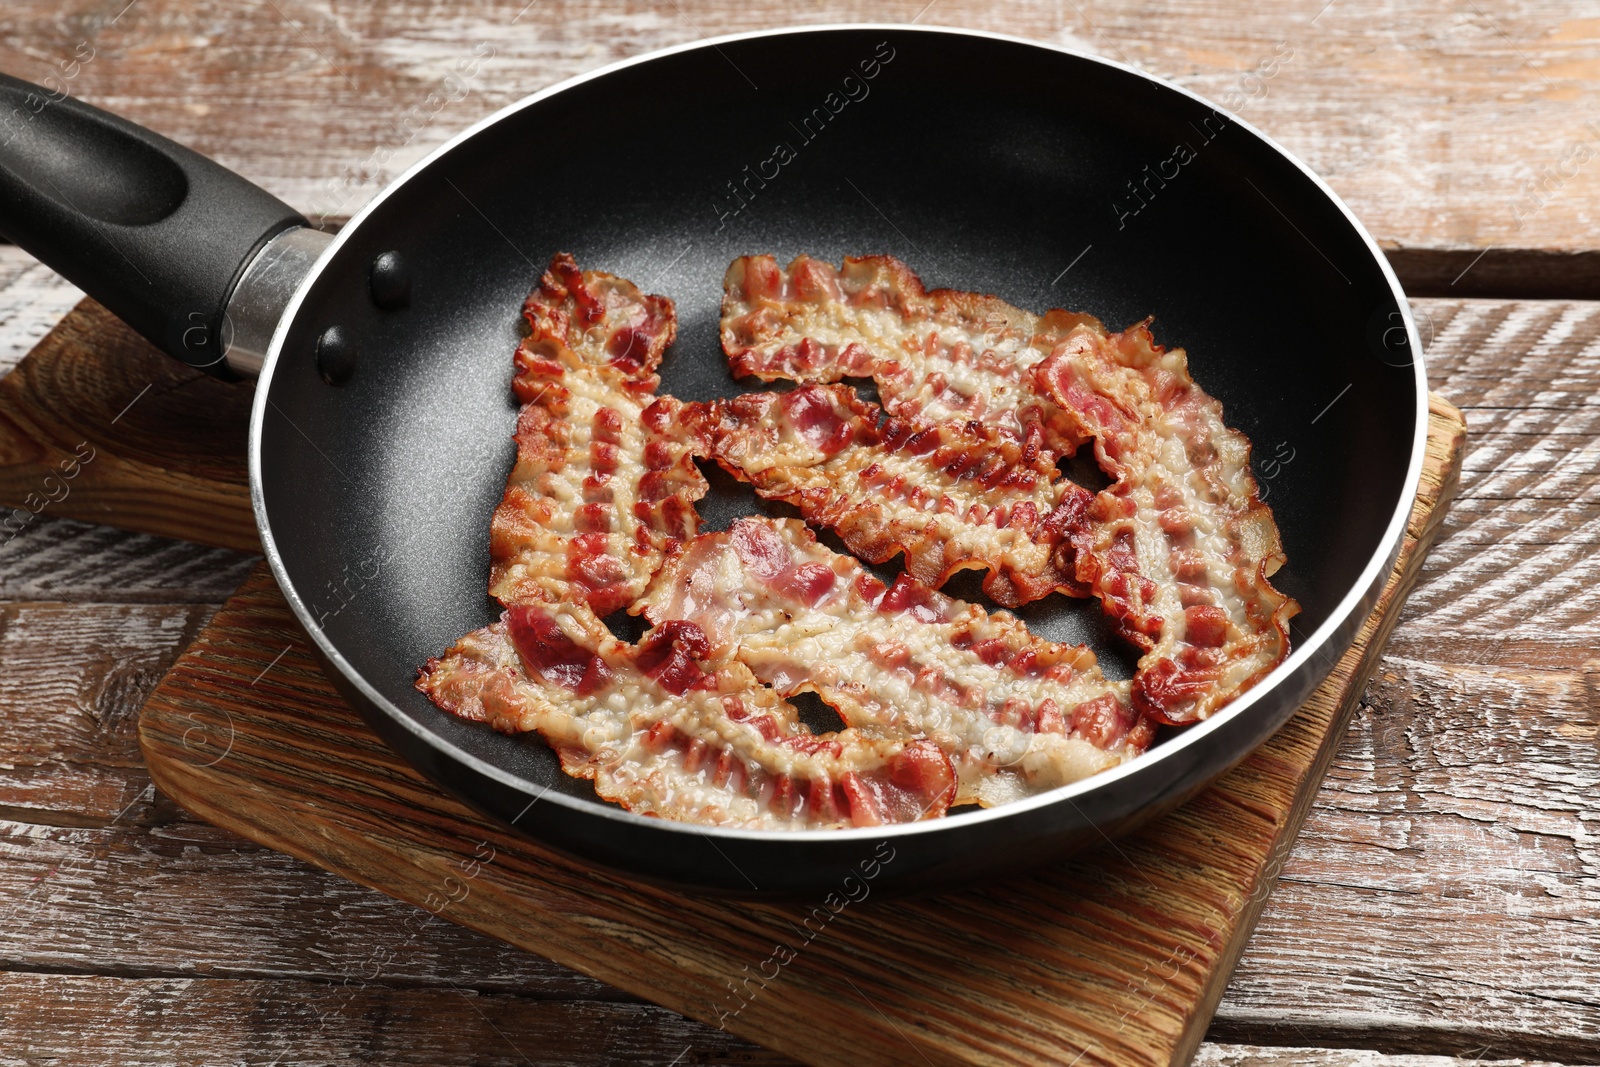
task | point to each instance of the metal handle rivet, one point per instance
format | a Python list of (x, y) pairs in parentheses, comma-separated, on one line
[(390, 280), (336, 355)]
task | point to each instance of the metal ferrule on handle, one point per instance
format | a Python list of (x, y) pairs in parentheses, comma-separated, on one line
[(265, 288), (157, 233)]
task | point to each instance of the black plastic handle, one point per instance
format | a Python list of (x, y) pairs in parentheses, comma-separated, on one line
[(157, 233)]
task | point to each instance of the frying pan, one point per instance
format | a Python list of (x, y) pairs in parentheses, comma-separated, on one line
[(380, 437)]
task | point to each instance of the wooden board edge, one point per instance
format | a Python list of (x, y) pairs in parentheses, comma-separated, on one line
[(1446, 451)]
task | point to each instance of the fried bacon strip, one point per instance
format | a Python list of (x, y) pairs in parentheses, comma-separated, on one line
[(661, 735), (603, 483), (949, 495), (1180, 548), (1016, 713), (937, 356)]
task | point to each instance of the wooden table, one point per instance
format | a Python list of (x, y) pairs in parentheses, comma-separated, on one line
[(1444, 899)]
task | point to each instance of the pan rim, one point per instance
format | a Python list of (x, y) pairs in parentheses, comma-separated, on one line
[(1339, 621)]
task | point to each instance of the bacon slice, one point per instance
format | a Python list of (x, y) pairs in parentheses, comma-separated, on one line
[(1180, 548), (1016, 713), (937, 356), (603, 482), (661, 735), (949, 495)]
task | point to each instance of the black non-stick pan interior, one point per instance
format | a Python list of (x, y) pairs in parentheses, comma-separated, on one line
[(985, 164)]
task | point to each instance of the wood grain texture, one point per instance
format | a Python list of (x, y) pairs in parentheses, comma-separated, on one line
[(64, 560), (80, 768), (157, 1022), (1451, 129), (154, 892), (95, 424), (1516, 579), (1476, 858), (1116, 958)]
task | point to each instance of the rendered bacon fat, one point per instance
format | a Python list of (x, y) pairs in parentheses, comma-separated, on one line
[(1179, 550), (1017, 714), (602, 483), (949, 495), (661, 735)]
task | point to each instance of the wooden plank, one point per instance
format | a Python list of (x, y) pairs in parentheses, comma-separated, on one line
[(158, 1022), (1115, 958), (65, 560), (1220, 1055), (1517, 563), (1451, 130), (74, 682), (33, 298), (156, 893), (56, 559), (155, 1022), (1457, 885), (100, 873)]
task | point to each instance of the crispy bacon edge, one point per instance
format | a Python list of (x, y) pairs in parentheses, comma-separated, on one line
[(601, 329), (767, 311), (768, 332)]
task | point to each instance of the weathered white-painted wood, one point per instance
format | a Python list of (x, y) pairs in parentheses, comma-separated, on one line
[(32, 300), (75, 678), (65, 560), (157, 1021), (154, 892), (1447, 126), (1447, 882), (1515, 576)]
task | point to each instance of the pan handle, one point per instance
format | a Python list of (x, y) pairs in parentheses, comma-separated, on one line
[(157, 233)]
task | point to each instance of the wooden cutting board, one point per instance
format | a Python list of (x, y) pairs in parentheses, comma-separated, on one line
[(1116, 957)]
